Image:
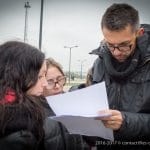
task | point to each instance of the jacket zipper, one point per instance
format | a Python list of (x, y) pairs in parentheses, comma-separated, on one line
[(116, 106)]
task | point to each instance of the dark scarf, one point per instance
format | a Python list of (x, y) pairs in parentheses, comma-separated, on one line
[(120, 70)]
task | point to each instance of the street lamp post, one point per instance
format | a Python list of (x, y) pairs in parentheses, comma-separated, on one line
[(26, 6), (70, 48), (41, 25), (81, 67)]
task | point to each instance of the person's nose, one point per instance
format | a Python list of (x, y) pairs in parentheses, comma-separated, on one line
[(57, 85), (45, 83), (117, 51)]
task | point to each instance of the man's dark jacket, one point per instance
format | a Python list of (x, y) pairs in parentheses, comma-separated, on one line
[(128, 89)]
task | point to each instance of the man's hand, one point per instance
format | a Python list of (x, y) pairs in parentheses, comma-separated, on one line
[(113, 121)]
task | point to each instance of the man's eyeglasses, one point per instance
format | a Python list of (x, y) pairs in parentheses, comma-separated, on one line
[(61, 80), (121, 48)]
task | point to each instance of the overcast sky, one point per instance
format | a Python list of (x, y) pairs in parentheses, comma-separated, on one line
[(65, 23)]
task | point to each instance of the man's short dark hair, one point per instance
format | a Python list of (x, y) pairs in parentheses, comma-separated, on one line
[(118, 16)]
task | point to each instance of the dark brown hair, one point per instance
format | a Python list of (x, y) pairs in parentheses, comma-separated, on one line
[(20, 64), (118, 16), (51, 62)]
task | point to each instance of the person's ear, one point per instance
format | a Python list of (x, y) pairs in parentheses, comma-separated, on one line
[(140, 32)]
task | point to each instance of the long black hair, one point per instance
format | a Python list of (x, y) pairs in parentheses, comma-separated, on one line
[(20, 64)]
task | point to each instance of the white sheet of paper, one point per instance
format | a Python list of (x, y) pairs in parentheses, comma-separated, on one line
[(77, 110)]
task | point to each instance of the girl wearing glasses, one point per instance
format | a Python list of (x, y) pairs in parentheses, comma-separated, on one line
[(55, 77)]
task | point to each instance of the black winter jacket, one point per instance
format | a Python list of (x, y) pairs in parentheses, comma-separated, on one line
[(19, 136), (128, 90), (56, 138)]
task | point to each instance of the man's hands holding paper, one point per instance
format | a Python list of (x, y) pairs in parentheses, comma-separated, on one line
[(113, 119)]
